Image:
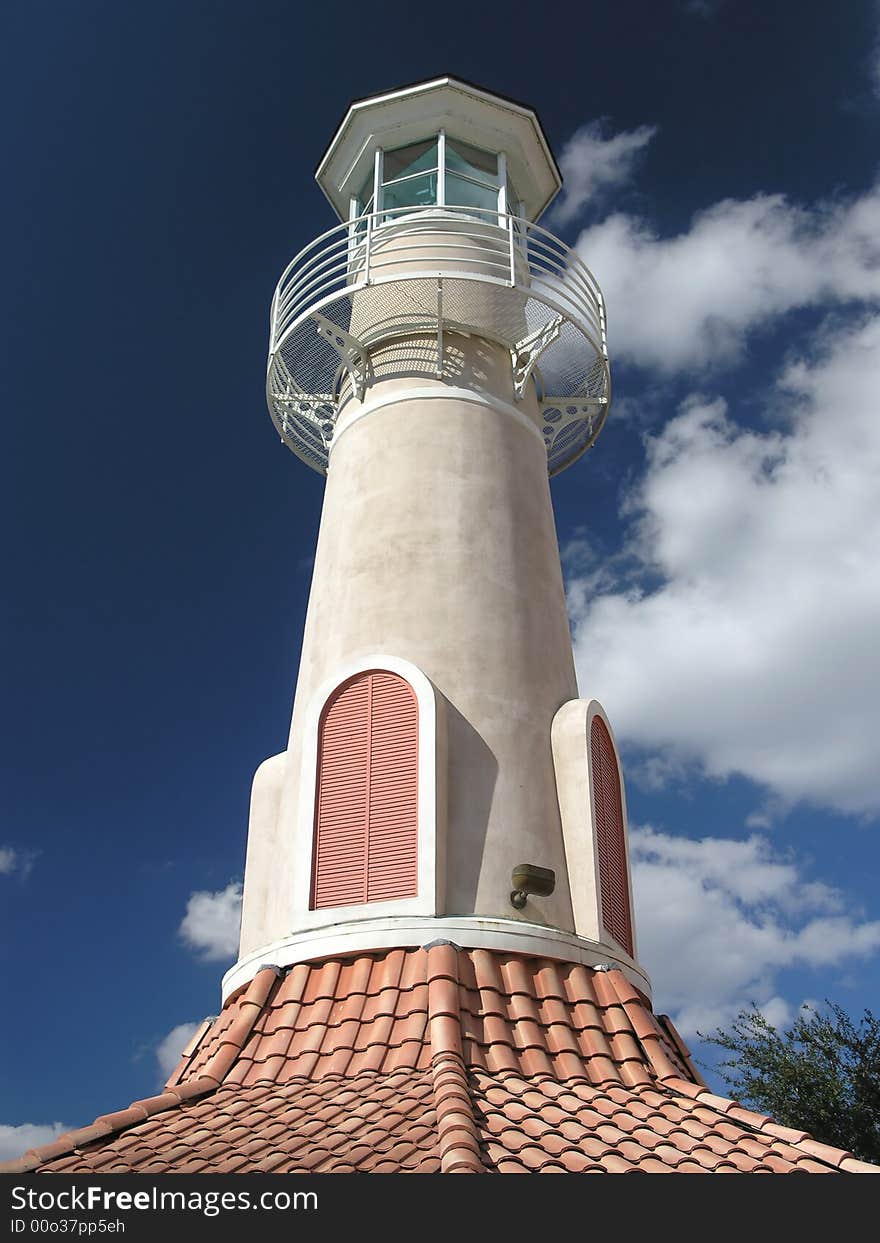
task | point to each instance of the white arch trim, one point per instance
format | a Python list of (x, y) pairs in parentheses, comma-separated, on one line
[(570, 735), (431, 799)]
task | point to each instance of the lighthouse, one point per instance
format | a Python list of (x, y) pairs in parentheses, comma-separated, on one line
[(438, 968), (438, 356)]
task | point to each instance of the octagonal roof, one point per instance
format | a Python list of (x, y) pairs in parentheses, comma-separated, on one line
[(436, 1059), (467, 112)]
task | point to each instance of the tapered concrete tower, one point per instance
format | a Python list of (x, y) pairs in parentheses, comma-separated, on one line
[(438, 355)]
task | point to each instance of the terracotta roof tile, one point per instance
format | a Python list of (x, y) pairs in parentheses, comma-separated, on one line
[(688, 1166), (678, 1048), (437, 1059), (823, 1152), (747, 1117), (684, 1087), (785, 1133), (634, 1074), (854, 1166)]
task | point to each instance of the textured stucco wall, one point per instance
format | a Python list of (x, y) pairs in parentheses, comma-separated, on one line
[(437, 544)]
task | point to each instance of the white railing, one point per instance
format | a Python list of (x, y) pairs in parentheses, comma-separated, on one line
[(445, 242), (417, 271)]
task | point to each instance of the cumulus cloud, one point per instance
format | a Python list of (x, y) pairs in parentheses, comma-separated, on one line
[(170, 1049), (691, 301), (718, 919), (16, 1140), (594, 161), (211, 923), (740, 633)]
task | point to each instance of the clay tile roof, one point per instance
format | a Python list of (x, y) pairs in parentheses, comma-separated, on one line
[(436, 1059)]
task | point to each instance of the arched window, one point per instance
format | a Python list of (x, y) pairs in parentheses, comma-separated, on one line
[(610, 840), (366, 815)]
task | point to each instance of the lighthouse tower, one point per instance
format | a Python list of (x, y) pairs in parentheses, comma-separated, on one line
[(438, 356), (438, 968)]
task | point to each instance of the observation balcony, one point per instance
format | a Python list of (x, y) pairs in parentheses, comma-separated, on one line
[(418, 275)]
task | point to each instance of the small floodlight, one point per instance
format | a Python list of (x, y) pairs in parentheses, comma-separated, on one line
[(528, 878)]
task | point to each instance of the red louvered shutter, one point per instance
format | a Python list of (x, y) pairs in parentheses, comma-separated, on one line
[(610, 841), (366, 821), (343, 764), (392, 857)]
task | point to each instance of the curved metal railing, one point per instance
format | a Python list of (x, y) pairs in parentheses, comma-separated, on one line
[(467, 268)]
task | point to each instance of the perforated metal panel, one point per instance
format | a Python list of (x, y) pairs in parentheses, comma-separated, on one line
[(366, 816), (610, 839)]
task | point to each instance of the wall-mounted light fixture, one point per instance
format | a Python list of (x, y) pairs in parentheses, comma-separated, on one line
[(528, 878)]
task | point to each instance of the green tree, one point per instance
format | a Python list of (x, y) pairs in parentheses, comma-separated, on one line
[(821, 1075)]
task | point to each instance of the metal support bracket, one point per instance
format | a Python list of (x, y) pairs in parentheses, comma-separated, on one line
[(354, 356), (316, 409), (560, 412), (526, 353)]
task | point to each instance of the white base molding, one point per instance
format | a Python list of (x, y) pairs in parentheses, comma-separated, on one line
[(469, 931)]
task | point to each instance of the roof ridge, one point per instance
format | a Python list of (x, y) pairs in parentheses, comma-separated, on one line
[(233, 1040), (644, 1025), (728, 1107), (684, 1052), (139, 1111), (460, 1151), (107, 1124), (188, 1054)]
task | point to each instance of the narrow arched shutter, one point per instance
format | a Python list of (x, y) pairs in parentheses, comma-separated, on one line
[(610, 838), (366, 814)]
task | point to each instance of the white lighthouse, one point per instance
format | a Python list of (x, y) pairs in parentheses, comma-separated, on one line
[(438, 970), (439, 356)]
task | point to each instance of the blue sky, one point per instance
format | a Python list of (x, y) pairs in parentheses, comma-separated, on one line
[(719, 544)]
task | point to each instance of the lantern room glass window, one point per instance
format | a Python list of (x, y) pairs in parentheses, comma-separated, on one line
[(410, 176), (438, 172)]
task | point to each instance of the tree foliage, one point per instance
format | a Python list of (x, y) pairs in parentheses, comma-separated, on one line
[(821, 1075)]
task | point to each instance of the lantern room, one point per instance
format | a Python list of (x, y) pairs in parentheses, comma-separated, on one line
[(437, 144), (438, 187)]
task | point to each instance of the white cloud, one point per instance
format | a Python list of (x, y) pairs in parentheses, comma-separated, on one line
[(170, 1049), (691, 301), (748, 870), (777, 1012), (593, 162), (13, 860), (16, 1140), (211, 923), (744, 637), (718, 920)]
